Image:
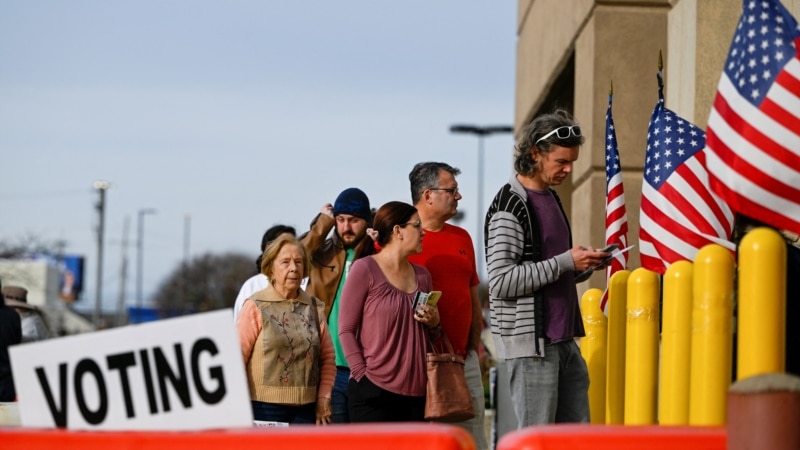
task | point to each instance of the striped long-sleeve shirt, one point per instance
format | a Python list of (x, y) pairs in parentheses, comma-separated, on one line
[(517, 272)]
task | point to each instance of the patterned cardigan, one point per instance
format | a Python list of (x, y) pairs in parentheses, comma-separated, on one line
[(516, 272)]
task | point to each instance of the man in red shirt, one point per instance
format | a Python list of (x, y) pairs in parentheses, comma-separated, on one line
[(448, 253)]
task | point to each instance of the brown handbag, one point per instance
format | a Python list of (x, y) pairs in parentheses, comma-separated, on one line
[(448, 398)]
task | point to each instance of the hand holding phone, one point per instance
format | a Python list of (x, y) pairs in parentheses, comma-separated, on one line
[(611, 248)]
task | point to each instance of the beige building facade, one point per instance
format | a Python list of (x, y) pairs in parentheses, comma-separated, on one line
[(570, 51)]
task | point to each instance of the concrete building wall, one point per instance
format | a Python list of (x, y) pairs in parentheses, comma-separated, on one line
[(38, 277), (619, 41)]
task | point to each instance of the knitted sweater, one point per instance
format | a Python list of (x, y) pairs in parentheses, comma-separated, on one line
[(286, 348), (516, 272)]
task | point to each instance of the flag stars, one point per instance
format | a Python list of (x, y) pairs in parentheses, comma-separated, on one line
[(755, 94), (765, 60), (766, 75), (668, 129)]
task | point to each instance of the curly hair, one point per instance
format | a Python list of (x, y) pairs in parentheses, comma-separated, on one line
[(524, 163)]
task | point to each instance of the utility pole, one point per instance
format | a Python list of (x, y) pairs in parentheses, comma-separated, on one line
[(187, 222), (139, 258), (101, 187), (123, 276)]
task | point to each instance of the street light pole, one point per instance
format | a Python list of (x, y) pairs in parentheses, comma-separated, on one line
[(481, 132), (139, 258), (101, 187)]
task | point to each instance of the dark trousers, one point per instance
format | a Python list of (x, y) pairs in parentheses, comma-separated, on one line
[(295, 414), (370, 403), (339, 407)]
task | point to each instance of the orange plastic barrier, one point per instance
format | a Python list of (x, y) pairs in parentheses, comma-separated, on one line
[(345, 437), (616, 437)]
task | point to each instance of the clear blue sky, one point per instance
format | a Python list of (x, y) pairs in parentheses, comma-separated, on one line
[(240, 114)]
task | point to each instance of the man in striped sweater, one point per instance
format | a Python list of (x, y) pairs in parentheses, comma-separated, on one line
[(532, 267)]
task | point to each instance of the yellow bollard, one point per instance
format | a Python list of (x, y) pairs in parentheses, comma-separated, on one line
[(712, 336), (676, 345), (615, 371), (761, 321), (641, 348), (593, 349)]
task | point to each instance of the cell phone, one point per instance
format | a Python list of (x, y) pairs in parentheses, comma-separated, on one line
[(425, 298), (610, 248)]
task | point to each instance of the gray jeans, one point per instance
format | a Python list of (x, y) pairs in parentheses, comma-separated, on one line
[(475, 426), (553, 389)]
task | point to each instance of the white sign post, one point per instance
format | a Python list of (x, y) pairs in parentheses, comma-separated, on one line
[(175, 374)]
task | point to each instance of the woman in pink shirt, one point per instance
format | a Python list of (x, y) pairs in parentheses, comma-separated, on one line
[(384, 339)]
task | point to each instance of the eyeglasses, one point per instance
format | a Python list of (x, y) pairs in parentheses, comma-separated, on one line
[(417, 224), (562, 132), (452, 191)]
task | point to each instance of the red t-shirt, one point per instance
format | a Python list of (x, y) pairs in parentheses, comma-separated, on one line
[(449, 256)]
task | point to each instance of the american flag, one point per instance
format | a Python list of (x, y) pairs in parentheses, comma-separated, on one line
[(616, 215), (679, 214), (753, 148)]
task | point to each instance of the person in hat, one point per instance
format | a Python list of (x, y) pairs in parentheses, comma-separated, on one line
[(331, 256), (10, 334), (33, 326)]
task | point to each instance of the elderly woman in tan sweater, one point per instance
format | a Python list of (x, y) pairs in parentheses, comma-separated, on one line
[(285, 342)]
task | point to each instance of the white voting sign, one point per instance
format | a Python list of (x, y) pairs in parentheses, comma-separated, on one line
[(175, 374)]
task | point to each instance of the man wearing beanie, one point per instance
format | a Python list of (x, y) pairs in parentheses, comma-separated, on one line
[(331, 258)]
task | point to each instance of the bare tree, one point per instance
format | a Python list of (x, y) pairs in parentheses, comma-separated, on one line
[(208, 282), (30, 244)]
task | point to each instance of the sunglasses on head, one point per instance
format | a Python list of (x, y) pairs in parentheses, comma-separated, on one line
[(562, 132)]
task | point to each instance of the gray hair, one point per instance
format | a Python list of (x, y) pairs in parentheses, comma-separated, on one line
[(524, 164), (425, 175)]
